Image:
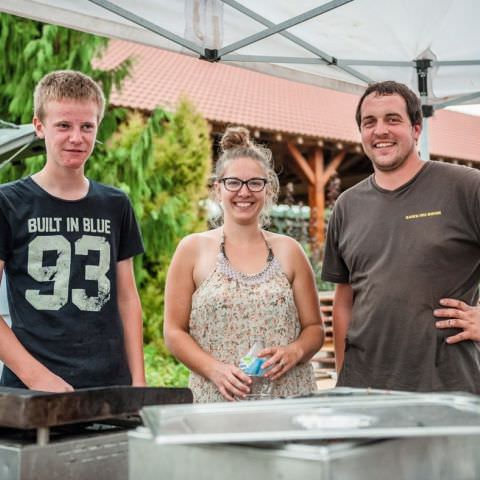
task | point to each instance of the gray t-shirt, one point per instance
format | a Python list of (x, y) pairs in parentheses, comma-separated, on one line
[(402, 251)]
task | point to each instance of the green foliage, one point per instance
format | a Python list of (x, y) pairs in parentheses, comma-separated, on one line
[(315, 255), (162, 370), (294, 220), (31, 49), (322, 285)]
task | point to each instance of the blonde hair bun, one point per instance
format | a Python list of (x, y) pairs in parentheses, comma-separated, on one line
[(235, 137), (236, 144)]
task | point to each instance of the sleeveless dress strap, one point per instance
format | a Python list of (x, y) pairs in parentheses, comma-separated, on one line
[(267, 243)]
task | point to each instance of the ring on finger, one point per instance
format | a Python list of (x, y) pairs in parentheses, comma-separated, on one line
[(450, 322)]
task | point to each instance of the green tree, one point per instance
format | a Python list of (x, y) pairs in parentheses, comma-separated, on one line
[(32, 49)]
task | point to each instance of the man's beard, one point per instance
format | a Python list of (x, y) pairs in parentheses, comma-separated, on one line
[(395, 164)]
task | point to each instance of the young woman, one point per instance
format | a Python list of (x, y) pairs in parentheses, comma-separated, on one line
[(236, 282)]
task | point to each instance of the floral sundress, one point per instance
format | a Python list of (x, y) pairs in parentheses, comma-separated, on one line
[(230, 308)]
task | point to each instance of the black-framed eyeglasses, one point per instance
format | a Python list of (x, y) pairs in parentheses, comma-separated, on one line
[(234, 184)]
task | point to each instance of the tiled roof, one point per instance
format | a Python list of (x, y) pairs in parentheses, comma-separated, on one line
[(455, 135), (233, 95)]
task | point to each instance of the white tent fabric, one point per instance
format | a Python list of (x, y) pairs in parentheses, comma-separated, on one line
[(18, 142), (341, 44), (431, 45)]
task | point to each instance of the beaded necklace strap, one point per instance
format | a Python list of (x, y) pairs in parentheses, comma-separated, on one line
[(271, 268), (270, 255)]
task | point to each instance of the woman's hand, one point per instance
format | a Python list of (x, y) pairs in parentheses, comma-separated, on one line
[(282, 359), (230, 381)]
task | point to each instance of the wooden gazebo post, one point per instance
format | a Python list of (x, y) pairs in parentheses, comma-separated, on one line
[(317, 176)]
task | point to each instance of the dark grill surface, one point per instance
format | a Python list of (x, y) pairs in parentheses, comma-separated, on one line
[(26, 409), (76, 431)]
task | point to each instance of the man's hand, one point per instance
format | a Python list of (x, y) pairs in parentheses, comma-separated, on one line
[(49, 382), (458, 314)]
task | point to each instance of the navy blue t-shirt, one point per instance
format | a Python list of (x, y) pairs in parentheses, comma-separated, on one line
[(60, 257)]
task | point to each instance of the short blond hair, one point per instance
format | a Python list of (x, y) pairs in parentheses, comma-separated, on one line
[(66, 84)]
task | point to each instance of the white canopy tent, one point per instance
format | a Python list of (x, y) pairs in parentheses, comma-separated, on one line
[(431, 45), (20, 139)]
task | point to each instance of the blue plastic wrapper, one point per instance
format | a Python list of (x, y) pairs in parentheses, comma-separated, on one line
[(252, 365)]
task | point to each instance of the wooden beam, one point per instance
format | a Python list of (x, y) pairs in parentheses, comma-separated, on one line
[(318, 162), (301, 163), (311, 203), (332, 166)]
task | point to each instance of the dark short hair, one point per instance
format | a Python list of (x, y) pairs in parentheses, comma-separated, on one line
[(390, 87)]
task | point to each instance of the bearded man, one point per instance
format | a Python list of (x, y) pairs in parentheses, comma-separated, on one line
[(403, 247)]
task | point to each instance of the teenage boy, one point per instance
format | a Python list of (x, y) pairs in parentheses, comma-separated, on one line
[(66, 243)]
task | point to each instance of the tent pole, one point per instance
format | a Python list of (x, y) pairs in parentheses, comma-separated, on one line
[(422, 66), (424, 147)]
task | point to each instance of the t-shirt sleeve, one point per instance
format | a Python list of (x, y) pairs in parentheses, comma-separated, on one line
[(334, 268), (476, 209), (131, 243), (5, 232)]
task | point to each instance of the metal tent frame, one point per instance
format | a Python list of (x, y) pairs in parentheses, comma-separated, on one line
[(432, 45), (226, 53)]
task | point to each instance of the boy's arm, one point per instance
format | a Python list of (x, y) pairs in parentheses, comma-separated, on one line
[(131, 314), (29, 370)]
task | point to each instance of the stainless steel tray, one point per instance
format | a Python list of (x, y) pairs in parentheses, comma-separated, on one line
[(334, 416)]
